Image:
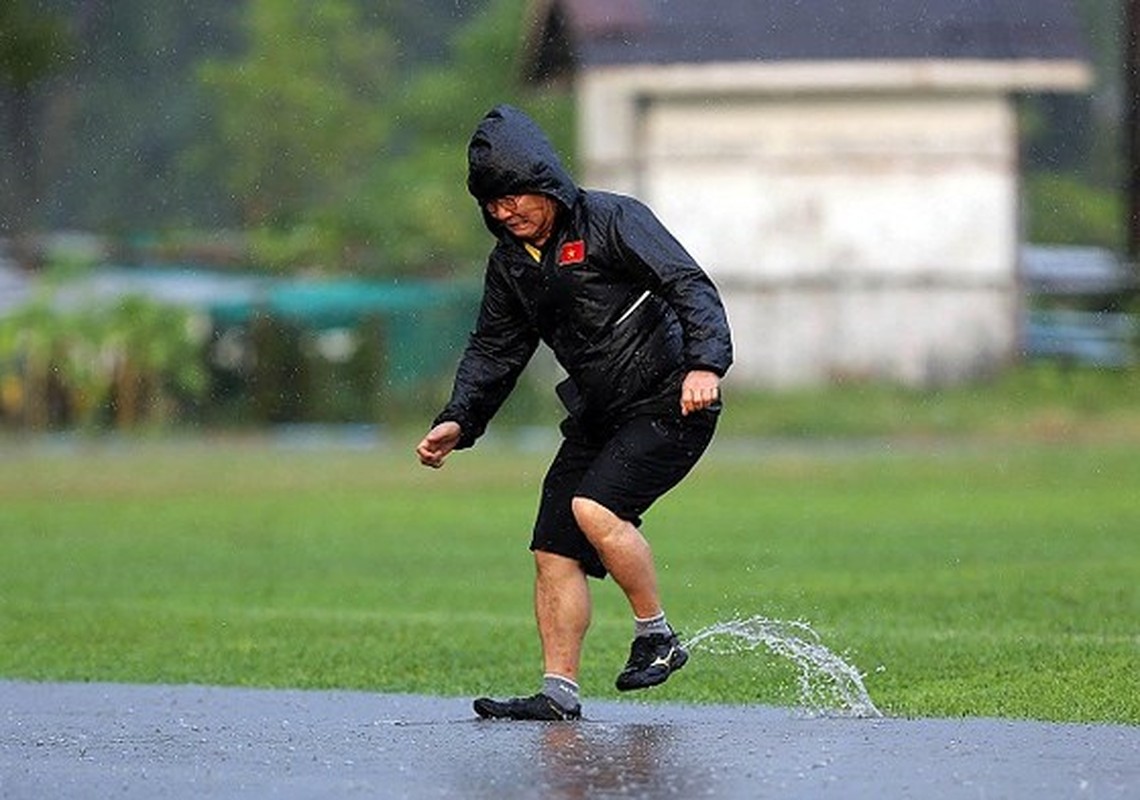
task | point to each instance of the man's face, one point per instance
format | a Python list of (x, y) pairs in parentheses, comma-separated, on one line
[(529, 217)]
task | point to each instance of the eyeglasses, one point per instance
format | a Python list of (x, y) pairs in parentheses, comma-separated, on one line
[(507, 203)]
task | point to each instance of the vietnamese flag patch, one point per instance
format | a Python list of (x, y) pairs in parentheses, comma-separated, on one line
[(572, 253)]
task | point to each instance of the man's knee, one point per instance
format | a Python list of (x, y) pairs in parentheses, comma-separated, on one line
[(587, 512), (595, 520), (553, 566)]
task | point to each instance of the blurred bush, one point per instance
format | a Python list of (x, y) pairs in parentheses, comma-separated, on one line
[(123, 365)]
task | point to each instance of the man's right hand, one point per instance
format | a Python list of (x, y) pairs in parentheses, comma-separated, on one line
[(440, 441)]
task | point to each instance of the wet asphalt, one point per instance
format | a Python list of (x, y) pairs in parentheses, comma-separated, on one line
[(114, 741)]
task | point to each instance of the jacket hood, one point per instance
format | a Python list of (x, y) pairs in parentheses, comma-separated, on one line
[(510, 154)]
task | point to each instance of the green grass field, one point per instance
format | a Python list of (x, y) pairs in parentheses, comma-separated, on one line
[(961, 578)]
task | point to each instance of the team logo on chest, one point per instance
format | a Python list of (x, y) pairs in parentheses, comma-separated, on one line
[(572, 253)]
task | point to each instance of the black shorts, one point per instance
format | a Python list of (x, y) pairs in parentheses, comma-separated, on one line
[(625, 472)]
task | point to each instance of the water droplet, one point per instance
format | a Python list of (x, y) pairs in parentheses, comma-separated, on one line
[(827, 682)]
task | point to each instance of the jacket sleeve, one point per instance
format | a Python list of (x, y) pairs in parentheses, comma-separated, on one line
[(670, 272), (497, 351)]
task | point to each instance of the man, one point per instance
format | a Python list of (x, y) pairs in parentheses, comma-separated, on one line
[(642, 335)]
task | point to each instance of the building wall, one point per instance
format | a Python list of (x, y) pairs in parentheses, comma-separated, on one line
[(854, 232)]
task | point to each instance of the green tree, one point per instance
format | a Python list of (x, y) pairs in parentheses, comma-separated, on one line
[(1064, 209), (33, 45), (1071, 144), (118, 123), (127, 113), (338, 159), (418, 202), (303, 111)]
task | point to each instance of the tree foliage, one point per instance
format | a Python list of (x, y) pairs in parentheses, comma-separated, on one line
[(33, 45), (303, 109), (1063, 209), (127, 364), (418, 197), (332, 131), (340, 162)]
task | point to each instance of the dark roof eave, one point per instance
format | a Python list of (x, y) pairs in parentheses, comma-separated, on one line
[(671, 32)]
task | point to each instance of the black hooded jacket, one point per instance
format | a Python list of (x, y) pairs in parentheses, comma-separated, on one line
[(626, 311)]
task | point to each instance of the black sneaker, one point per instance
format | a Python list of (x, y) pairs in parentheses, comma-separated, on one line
[(652, 659), (537, 706)]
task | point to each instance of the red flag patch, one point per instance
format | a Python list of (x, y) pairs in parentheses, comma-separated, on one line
[(572, 253)]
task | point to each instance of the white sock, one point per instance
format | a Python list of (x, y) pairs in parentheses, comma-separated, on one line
[(657, 624), (561, 690)]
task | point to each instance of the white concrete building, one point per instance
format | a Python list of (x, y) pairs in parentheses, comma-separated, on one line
[(847, 172)]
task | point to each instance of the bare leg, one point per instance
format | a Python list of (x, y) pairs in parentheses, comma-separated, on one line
[(562, 610), (624, 552)]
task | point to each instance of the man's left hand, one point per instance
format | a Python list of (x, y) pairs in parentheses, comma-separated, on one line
[(700, 390)]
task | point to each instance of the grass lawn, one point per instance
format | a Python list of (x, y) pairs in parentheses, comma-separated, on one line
[(963, 578)]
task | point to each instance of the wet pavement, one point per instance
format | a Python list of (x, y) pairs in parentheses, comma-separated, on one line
[(112, 741)]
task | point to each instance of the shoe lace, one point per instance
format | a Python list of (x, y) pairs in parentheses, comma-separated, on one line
[(644, 649)]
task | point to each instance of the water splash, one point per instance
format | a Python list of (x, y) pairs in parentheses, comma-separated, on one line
[(828, 684)]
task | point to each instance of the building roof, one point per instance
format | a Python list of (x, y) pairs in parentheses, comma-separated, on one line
[(570, 34)]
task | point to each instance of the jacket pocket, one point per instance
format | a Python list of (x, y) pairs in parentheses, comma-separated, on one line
[(570, 397)]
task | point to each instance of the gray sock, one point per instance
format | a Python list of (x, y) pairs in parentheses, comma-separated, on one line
[(561, 690), (645, 627)]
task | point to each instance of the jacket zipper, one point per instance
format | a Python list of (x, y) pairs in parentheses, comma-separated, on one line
[(632, 308)]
